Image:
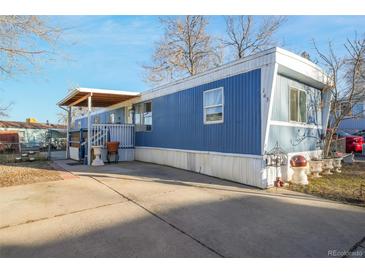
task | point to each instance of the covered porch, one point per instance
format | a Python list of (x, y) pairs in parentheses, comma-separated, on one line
[(80, 142)]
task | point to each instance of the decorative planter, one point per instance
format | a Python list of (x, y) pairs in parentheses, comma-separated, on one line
[(316, 167), (299, 176), (327, 166), (112, 146), (97, 152), (337, 164), (299, 165)]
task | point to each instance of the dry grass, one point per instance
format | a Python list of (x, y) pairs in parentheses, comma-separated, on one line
[(348, 186), (27, 173)]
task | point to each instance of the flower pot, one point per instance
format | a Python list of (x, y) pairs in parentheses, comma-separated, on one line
[(337, 164), (327, 166), (299, 176), (316, 167), (112, 146)]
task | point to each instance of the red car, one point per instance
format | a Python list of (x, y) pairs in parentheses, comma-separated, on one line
[(353, 143)]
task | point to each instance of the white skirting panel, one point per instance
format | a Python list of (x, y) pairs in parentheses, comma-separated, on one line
[(74, 153), (125, 154), (239, 168)]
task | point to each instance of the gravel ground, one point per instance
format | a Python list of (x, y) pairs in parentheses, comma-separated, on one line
[(27, 173)]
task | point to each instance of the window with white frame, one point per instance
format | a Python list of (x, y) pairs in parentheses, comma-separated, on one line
[(143, 116), (298, 105), (213, 103)]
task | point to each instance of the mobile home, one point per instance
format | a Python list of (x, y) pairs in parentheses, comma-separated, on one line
[(222, 122), (31, 134), (355, 121)]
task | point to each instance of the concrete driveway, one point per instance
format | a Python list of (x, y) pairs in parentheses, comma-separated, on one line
[(145, 210)]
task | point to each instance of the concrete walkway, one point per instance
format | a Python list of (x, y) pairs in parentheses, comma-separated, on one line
[(145, 210)]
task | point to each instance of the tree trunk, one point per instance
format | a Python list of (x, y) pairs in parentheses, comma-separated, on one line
[(327, 144), (328, 139)]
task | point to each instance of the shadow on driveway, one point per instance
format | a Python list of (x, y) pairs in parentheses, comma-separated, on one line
[(214, 226)]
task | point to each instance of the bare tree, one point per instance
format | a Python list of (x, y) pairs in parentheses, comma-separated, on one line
[(24, 40), (21, 38), (185, 49), (246, 37), (75, 112), (346, 83), (4, 110)]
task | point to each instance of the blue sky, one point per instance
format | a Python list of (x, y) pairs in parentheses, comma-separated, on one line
[(108, 51)]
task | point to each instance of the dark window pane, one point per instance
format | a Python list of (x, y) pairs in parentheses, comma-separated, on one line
[(214, 114), (148, 107), (303, 107)]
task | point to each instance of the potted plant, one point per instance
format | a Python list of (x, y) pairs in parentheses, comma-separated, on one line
[(112, 146)]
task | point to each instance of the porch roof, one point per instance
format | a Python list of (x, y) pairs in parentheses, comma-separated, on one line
[(100, 97)]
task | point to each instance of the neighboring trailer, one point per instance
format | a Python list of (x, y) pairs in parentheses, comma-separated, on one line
[(31, 134), (224, 121), (355, 122)]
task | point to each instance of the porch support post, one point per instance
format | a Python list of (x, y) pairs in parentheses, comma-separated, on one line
[(68, 132), (89, 105)]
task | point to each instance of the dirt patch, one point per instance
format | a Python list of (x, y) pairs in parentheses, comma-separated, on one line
[(27, 173), (348, 186)]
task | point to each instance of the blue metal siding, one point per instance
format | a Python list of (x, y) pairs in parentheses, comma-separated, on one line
[(177, 119)]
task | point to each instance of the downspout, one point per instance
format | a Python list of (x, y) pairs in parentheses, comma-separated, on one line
[(89, 106)]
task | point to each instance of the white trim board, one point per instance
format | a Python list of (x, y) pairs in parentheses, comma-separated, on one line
[(91, 91), (266, 112), (293, 124)]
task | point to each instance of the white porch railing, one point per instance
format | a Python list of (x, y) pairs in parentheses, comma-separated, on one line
[(122, 133), (99, 135)]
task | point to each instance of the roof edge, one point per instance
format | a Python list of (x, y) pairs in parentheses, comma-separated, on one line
[(74, 91)]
